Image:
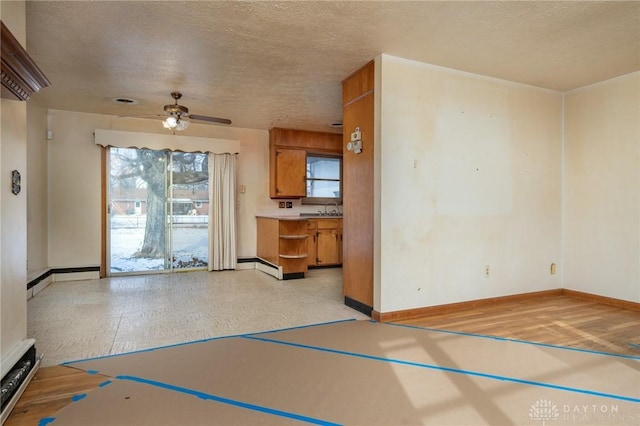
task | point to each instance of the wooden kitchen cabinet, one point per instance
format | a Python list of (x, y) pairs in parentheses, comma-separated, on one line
[(284, 244), (312, 230), (328, 247), (288, 150), (290, 173), (358, 187), (326, 239)]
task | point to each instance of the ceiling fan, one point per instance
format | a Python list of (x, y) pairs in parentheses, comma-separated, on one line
[(178, 116)]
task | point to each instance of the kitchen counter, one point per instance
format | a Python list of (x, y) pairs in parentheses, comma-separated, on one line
[(281, 217), (289, 244), (302, 216)]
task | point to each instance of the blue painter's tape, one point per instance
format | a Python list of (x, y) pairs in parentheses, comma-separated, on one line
[(76, 398), (103, 384), (450, 370), (92, 371), (46, 420), (299, 327), (191, 343), (147, 350), (235, 403), (526, 342), (634, 345)]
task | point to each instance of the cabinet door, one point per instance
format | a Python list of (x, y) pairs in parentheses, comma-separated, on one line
[(340, 246), (312, 243), (290, 173), (328, 247)]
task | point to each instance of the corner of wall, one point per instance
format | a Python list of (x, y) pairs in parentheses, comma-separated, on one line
[(377, 182), (562, 194)]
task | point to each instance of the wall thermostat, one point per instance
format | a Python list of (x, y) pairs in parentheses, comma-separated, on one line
[(356, 141)]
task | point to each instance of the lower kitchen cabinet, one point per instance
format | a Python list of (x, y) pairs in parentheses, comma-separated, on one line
[(312, 242), (325, 242), (283, 243)]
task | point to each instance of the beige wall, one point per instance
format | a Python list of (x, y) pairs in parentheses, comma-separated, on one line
[(602, 189), (469, 171), (74, 182), (470, 175), (13, 208), (37, 200)]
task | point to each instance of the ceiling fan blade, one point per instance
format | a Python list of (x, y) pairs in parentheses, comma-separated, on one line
[(210, 119), (142, 116)]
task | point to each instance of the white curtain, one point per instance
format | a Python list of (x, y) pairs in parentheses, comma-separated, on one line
[(222, 211)]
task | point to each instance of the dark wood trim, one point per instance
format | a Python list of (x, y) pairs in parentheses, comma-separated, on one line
[(293, 276), (72, 270), (618, 303), (358, 306), (454, 307), (324, 266), (21, 77), (39, 279)]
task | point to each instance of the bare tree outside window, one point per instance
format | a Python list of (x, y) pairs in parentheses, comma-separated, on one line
[(159, 191)]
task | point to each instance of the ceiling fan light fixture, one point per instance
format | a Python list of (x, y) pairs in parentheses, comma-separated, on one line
[(178, 115), (170, 122), (182, 123)]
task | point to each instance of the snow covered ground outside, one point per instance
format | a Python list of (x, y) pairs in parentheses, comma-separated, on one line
[(189, 242)]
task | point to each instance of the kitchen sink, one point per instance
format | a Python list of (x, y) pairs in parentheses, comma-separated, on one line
[(321, 214)]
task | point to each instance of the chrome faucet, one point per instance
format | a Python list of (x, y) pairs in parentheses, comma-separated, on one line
[(335, 212)]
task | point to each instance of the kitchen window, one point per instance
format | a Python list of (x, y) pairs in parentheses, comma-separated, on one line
[(324, 179)]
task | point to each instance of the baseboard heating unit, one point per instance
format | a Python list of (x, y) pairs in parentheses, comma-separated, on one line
[(18, 369)]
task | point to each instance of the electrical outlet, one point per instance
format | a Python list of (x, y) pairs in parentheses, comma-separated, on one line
[(289, 204), (487, 271), (281, 204)]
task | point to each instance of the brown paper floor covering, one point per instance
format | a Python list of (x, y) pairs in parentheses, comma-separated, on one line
[(360, 373)]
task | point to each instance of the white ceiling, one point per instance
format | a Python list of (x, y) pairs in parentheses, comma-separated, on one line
[(264, 64)]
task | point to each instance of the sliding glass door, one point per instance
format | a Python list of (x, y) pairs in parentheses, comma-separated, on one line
[(158, 211)]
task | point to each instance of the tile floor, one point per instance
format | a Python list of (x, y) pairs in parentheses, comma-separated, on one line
[(83, 319)]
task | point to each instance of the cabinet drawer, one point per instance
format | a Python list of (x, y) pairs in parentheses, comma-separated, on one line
[(328, 223)]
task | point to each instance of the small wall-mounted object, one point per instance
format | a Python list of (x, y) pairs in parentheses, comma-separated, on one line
[(15, 182), (21, 77), (356, 141)]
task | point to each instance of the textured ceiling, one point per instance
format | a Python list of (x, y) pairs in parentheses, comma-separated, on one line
[(265, 64)]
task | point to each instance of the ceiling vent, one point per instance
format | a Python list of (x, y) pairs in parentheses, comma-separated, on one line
[(21, 77)]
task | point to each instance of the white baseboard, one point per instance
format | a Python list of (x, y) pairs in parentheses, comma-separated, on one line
[(16, 396), (39, 287), (77, 276), (245, 265), (272, 270)]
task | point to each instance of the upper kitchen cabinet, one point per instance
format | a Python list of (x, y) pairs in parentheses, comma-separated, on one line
[(289, 179), (288, 149)]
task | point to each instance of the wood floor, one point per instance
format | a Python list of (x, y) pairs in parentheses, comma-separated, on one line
[(558, 320)]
